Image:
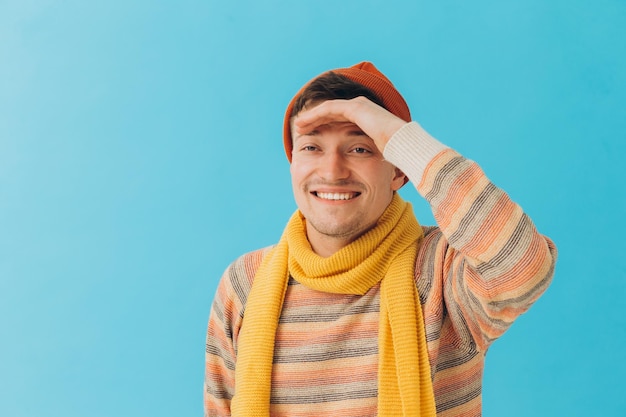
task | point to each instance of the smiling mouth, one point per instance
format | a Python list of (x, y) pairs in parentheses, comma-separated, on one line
[(335, 196)]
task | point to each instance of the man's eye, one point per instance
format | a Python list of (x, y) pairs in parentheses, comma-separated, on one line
[(360, 150), (309, 148)]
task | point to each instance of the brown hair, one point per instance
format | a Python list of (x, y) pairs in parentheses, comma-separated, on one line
[(332, 86)]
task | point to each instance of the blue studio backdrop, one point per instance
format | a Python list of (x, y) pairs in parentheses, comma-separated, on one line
[(141, 152)]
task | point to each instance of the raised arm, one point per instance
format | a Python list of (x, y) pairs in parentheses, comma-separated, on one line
[(496, 264)]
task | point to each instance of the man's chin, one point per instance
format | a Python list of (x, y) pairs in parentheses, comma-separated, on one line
[(339, 230)]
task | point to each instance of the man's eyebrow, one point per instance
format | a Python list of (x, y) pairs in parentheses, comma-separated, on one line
[(313, 132), (356, 132)]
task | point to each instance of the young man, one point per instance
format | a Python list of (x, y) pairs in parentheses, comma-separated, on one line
[(358, 310)]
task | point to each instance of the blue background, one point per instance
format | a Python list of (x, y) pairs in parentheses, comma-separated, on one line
[(140, 153)]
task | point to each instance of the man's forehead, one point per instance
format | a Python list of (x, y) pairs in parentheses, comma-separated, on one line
[(344, 127)]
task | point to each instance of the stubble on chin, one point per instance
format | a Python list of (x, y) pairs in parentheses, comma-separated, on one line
[(347, 231)]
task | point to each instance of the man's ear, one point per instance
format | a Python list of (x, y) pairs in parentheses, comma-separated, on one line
[(399, 179)]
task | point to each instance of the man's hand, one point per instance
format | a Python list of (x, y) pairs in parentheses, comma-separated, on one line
[(375, 121)]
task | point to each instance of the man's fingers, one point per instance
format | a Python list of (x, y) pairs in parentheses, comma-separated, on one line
[(325, 113), (377, 122)]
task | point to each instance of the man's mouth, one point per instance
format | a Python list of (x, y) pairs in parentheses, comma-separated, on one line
[(336, 196)]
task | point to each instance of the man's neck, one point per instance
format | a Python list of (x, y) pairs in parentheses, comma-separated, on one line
[(324, 245)]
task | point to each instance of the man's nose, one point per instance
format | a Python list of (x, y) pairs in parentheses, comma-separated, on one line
[(333, 167)]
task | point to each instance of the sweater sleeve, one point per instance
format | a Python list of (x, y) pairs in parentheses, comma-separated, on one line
[(496, 264), (223, 331)]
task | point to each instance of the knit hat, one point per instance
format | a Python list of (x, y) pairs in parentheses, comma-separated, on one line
[(364, 73)]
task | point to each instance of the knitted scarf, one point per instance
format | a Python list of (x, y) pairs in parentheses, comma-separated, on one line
[(387, 254)]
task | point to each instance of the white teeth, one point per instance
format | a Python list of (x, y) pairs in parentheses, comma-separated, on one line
[(336, 196)]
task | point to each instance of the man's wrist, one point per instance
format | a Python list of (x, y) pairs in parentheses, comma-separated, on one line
[(411, 149)]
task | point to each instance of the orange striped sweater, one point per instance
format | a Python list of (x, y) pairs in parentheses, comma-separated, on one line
[(480, 268)]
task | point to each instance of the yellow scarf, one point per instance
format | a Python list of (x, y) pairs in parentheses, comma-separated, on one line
[(386, 252)]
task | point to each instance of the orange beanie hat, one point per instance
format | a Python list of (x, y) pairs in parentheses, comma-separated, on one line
[(364, 73)]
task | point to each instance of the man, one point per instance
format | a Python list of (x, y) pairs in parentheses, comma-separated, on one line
[(358, 310)]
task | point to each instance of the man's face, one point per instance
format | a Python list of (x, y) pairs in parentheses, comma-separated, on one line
[(341, 183)]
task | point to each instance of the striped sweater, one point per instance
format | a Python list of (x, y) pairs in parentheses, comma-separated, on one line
[(480, 268)]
